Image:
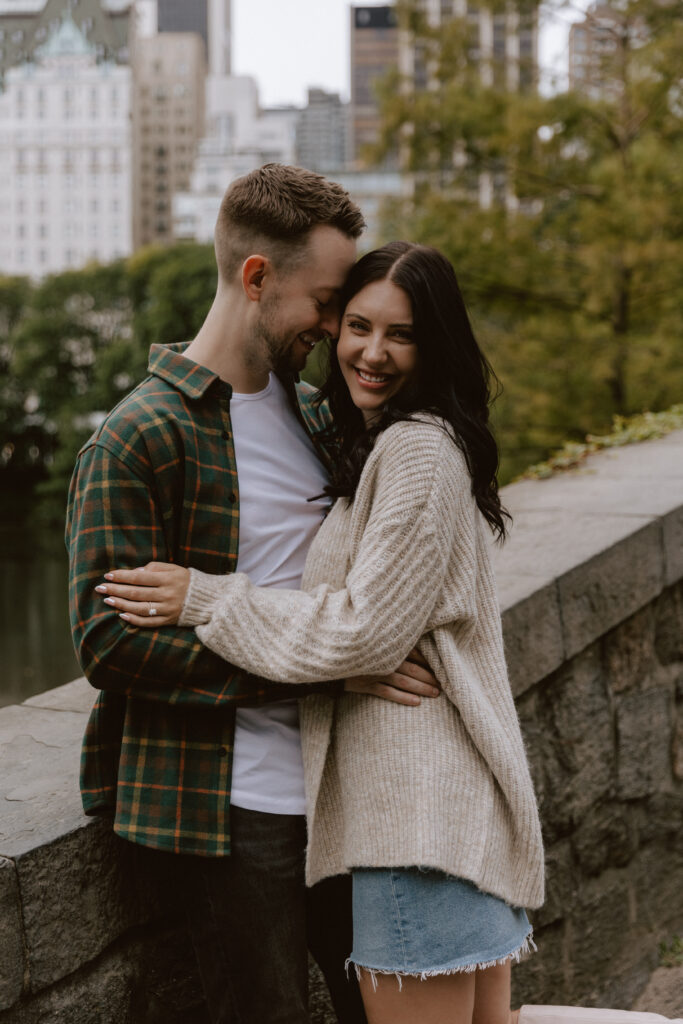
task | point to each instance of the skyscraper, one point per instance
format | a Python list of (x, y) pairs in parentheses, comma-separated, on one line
[(374, 51), (322, 132), (168, 121), (211, 19)]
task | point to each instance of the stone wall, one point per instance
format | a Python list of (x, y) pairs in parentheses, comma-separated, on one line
[(592, 598)]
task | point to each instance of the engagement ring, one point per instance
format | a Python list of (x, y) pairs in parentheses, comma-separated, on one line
[(152, 610)]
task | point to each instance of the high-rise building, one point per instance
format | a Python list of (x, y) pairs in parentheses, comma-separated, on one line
[(168, 121), (65, 154), (597, 46), (502, 47), (374, 51), (322, 132), (26, 24), (211, 19), (503, 42), (241, 137)]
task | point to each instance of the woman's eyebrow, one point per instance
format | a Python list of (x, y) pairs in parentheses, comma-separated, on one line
[(359, 316)]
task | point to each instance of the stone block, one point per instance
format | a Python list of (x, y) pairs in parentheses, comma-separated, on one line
[(644, 735), (677, 748), (79, 895), (576, 753), (123, 987), (561, 885), (542, 978), (669, 625), (658, 886), (617, 581), (672, 530), (600, 944), (605, 838), (659, 819), (39, 765), (532, 629), (11, 939), (628, 652), (75, 696), (99, 996)]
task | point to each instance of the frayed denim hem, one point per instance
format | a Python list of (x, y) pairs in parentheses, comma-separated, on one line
[(526, 949)]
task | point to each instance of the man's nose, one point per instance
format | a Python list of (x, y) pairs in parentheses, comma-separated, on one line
[(330, 322)]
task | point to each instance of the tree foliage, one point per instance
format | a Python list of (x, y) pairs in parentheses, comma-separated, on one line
[(74, 344), (563, 216)]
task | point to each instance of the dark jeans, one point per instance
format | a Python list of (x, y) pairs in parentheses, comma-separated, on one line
[(252, 922)]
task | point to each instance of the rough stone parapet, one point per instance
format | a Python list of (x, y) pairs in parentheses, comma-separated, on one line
[(591, 590)]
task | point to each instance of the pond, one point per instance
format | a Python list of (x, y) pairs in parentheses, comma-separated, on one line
[(36, 652)]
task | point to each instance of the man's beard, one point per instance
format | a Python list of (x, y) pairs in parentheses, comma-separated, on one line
[(267, 345)]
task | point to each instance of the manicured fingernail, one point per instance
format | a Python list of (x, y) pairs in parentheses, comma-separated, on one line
[(101, 589), (109, 575), (109, 600), (122, 615), (435, 692)]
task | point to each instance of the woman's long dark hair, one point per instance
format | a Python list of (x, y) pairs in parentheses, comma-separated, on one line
[(452, 378)]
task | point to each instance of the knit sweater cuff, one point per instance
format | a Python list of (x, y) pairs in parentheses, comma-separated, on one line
[(202, 593)]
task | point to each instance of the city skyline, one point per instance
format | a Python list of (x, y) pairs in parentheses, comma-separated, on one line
[(260, 29)]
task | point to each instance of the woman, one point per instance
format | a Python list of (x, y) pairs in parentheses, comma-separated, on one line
[(431, 808)]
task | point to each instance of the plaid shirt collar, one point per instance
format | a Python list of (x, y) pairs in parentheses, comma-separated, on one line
[(168, 363)]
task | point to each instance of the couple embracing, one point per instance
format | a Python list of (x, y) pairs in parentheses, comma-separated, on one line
[(285, 599)]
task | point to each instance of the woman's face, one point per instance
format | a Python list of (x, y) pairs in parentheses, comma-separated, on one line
[(376, 351)]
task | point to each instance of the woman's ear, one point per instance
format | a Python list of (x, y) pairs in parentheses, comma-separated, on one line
[(255, 269)]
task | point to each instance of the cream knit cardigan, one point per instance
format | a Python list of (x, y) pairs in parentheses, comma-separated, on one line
[(445, 784)]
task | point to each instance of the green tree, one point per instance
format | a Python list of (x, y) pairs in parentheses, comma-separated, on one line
[(72, 346), (572, 266)]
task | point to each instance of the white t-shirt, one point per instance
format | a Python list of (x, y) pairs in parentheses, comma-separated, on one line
[(278, 471)]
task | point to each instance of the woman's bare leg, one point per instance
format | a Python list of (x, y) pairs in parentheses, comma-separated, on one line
[(482, 997), (492, 995), (443, 999)]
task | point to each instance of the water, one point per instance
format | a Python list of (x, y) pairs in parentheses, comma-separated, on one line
[(36, 653)]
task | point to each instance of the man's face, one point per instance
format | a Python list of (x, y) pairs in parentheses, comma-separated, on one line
[(301, 308)]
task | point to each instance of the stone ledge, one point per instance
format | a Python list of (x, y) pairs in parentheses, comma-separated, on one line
[(587, 551)]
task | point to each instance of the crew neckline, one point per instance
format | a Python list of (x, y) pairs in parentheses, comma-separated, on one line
[(254, 396)]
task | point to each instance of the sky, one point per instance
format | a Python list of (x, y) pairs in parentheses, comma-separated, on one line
[(288, 45)]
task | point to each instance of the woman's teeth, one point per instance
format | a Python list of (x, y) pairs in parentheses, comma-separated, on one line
[(372, 378)]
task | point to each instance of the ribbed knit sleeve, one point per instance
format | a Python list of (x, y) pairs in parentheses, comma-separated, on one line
[(419, 492)]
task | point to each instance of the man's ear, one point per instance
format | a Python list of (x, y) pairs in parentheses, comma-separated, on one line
[(255, 270)]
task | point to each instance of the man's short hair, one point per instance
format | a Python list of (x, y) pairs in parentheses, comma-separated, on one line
[(272, 211)]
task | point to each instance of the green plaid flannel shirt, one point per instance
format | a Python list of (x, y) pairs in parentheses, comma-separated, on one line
[(158, 481)]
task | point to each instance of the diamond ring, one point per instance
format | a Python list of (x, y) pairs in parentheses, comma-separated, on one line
[(152, 610)]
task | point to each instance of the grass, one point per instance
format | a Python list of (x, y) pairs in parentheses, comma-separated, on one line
[(671, 954), (644, 426)]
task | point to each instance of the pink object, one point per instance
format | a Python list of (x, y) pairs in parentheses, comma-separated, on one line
[(588, 1015)]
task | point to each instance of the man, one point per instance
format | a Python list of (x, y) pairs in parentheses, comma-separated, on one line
[(211, 462)]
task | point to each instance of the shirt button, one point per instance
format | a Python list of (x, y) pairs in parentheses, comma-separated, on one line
[(225, 435), (222, 751), (232, 497)]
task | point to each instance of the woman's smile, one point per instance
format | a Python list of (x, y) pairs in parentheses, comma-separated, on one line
[(376, 351)]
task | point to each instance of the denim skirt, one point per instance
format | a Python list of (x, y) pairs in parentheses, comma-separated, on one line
[(419, 921)]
